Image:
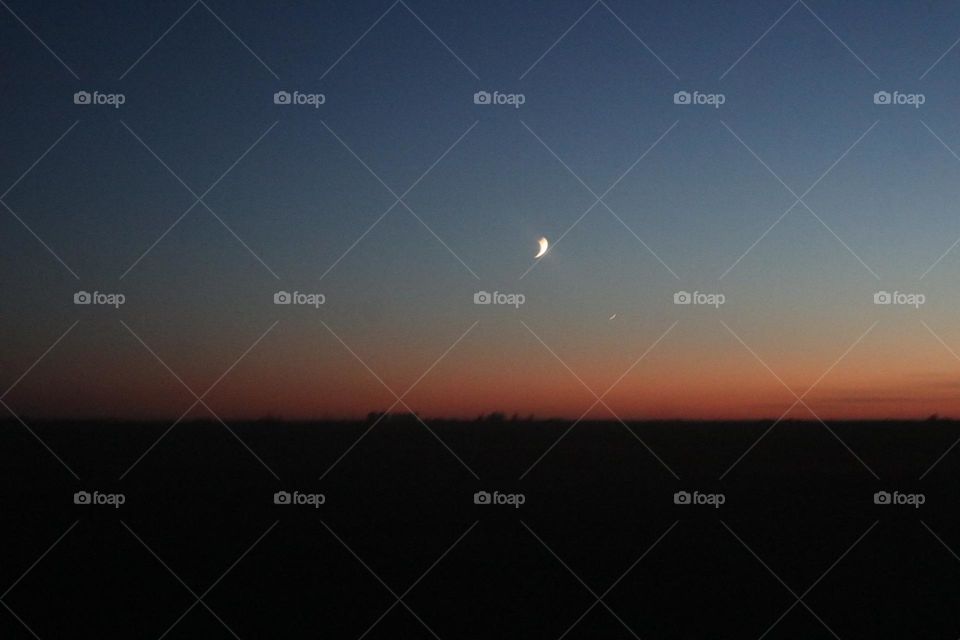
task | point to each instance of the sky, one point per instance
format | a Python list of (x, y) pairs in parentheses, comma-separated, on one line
[(797, 200)]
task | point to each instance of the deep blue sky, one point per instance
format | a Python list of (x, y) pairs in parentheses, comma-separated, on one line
[(399, 99)]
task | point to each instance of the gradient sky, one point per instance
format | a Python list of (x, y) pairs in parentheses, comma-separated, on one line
[(399, 299)]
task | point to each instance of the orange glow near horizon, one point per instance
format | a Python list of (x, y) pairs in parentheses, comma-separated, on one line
[(677, 380)]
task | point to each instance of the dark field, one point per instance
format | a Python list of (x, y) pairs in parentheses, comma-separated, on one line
[(399, 521)]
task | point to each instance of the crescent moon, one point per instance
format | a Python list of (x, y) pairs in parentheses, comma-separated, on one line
[(544, 245)]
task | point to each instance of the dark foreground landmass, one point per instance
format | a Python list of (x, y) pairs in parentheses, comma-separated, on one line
[(790, 516)]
